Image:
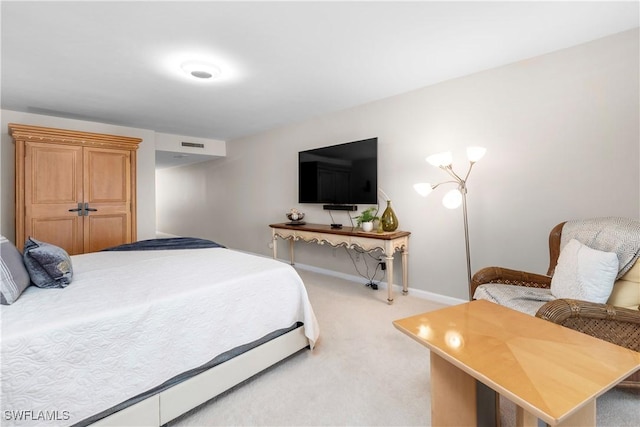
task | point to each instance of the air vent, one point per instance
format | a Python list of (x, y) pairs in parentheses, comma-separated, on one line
[(192, 144)]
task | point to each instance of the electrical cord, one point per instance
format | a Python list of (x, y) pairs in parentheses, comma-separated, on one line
[(333, 221), (350, 220), (371, 279)]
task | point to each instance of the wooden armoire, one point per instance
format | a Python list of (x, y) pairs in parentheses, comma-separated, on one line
[(76, 190)]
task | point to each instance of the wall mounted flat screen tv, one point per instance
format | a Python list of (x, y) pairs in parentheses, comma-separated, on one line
[(343, 174)]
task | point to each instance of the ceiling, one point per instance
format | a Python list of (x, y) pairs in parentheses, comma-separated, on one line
[(280, 62)]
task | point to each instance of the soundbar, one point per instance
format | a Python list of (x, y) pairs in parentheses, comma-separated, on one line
[(340, 207)]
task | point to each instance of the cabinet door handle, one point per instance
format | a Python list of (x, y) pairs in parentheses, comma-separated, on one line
[(79, 209), (87, 209)]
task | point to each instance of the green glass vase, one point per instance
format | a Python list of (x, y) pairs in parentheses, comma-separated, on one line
[(389, 219)]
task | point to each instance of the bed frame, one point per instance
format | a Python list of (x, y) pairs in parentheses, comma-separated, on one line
[(169, 404)]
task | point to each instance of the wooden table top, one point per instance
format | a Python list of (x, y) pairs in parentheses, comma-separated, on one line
[(344, 231), (547, 369)]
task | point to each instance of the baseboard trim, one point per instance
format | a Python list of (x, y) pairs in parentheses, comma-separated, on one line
[(431, 296)]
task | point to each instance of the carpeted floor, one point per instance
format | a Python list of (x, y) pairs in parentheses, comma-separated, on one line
[(362, 372)]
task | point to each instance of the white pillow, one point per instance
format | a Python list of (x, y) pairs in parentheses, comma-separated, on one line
[(584, 273)]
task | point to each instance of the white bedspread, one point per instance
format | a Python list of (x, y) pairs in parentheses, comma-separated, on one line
[(131, 320)]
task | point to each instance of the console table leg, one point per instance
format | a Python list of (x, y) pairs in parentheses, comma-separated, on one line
[(405, 272), (274, 244), (291, 251), (389, 261)]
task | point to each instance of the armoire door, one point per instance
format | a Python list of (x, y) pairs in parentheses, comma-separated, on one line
[(53, 195), (107, 198)]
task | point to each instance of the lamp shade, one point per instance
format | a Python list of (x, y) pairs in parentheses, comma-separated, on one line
[(475, 153), (452, 199), (423, 188), (440, 159)]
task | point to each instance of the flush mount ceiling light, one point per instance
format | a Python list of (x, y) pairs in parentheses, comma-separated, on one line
[(200, 70), (198, 67)]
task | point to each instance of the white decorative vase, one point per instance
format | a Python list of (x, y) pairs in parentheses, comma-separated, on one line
[(367, 226)]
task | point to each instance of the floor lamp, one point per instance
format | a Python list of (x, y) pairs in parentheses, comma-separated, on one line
[(457, 196)]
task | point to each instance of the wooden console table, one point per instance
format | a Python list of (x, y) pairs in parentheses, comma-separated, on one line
[(550, 372), (349, 237)]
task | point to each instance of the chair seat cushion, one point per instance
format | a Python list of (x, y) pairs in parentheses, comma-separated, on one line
[(626, 290), (521, 298)]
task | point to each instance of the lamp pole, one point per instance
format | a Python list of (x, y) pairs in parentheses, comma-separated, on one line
[(463, 190)]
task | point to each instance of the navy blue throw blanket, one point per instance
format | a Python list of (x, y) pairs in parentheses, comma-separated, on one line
[(169, 243)]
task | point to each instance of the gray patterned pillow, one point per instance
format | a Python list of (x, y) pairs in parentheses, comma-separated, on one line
[(49, 266), (14, 278)]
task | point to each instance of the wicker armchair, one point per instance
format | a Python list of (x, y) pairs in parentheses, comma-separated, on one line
[(617, 321)]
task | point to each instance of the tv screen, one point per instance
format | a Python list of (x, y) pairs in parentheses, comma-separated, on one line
[(339, 174)]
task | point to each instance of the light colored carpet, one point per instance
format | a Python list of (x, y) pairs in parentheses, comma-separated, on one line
[(363, 372)]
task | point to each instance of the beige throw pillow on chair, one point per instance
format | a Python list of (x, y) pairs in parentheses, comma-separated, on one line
[(584, 273)]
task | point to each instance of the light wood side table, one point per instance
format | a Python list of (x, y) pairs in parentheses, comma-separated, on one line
[(550, 372), (349, 237)]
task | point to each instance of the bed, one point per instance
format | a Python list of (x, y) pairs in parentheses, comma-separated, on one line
[(142, 336)]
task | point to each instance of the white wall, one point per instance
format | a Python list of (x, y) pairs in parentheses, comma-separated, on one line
[(562, 137), (185, 201), (145, 168)]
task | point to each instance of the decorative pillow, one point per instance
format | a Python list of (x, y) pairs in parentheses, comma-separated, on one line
[(584, 273), (14, 278), (49, 266)]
